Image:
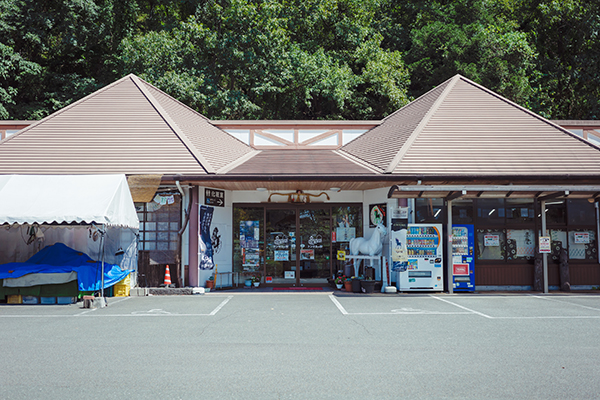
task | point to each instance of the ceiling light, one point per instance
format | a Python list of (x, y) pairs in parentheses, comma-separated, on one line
[(335, 189), (261, 189)]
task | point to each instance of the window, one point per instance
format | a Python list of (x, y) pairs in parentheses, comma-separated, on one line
[(159, 228), (490, 211), (462, 211), (520, 244), (248, 241), (520, 211), (491, 244), (429, 211), (582, 245)]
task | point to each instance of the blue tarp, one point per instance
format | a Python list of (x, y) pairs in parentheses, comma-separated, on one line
[(59, 258)]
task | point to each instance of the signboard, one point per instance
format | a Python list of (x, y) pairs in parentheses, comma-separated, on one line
[(491, 240), (545, 244), (214, 197), (581, 237), (341, 255), (460, 269), (268, 279), (289, 275), (377, 214)]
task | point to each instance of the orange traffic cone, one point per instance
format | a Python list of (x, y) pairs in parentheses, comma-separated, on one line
[(167, 276)]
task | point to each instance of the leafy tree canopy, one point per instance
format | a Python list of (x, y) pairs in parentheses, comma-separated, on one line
[(292, 59)]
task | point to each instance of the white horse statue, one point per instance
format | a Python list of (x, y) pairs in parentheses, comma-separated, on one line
[(371, 247)]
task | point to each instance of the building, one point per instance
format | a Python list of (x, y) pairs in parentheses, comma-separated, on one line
[(279, 190)]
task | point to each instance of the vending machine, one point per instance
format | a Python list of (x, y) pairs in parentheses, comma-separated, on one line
[(423, 270), (463, 259)]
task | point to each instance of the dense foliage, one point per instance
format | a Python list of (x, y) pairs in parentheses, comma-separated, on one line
[(300, 59)]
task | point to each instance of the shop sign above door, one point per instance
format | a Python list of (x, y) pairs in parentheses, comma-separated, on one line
[(214, 197)]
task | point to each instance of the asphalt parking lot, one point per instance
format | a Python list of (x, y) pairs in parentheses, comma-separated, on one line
[(269, 345)]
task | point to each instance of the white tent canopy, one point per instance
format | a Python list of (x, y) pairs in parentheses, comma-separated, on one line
[(79, 199)]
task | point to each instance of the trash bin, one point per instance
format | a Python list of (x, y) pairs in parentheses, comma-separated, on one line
[(356, 286)]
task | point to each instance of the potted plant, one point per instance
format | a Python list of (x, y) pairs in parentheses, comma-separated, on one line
[(368, 285), (355, 282), (348, 284), (339, 281), (255, 280), (210, 282)]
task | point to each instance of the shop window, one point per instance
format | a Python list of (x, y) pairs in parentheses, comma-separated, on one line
[(582, 245), (520, 244), (462, 211), (248, 241), (159, 228), (556, 212), (519, 211), (346, 225), (490, 211), (491, 244), (581, 212), (429, 211)]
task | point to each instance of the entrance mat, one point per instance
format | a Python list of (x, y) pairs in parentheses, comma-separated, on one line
[(298, 288)]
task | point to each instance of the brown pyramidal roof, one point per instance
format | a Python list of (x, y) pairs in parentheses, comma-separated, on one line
[(461, 128), (127, 127)]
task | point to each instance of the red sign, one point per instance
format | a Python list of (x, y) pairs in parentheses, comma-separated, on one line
[(268, 279), (461, 269)]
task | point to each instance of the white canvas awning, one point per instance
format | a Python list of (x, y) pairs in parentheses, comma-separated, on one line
[(79, 199)]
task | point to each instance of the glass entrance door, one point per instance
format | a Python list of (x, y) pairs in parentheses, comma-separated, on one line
[(298, 246), (314, 237), (280, 252)]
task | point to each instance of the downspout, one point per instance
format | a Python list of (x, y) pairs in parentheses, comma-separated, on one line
[(597, 229), (186, 219)]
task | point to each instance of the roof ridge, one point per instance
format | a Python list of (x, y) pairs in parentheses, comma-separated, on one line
[(424, 121), (66, 108), (357, 160), (138, 82), (238, 161), (205, 118)]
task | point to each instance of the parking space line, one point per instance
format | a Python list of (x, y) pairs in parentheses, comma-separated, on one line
[(464, 308), (338, 305), (216, 310), (565, 302), (400, 311)]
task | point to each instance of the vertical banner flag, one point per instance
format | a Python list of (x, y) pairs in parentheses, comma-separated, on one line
[(206, 251)]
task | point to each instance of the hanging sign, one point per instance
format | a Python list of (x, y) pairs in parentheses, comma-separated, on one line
[(545, 244), (206, 251), (341, 255), (214, 197)]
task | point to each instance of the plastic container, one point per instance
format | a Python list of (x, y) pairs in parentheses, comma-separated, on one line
[(30, 300), (125, 281), (47, 300), (64, 300), (14, 299), (121, 290)]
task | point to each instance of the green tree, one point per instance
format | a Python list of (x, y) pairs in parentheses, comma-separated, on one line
[(265, 59), (476, 38)]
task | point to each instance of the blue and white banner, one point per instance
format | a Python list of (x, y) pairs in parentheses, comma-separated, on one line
[(205, 254)]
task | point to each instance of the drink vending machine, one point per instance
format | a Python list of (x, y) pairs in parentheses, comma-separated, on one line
[(463, 259), (423, 268)]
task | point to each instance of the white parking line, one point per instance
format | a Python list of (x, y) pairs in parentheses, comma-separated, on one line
[(565, 302), (338, 305), (400, 311), (464, 308), (150, 313)]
